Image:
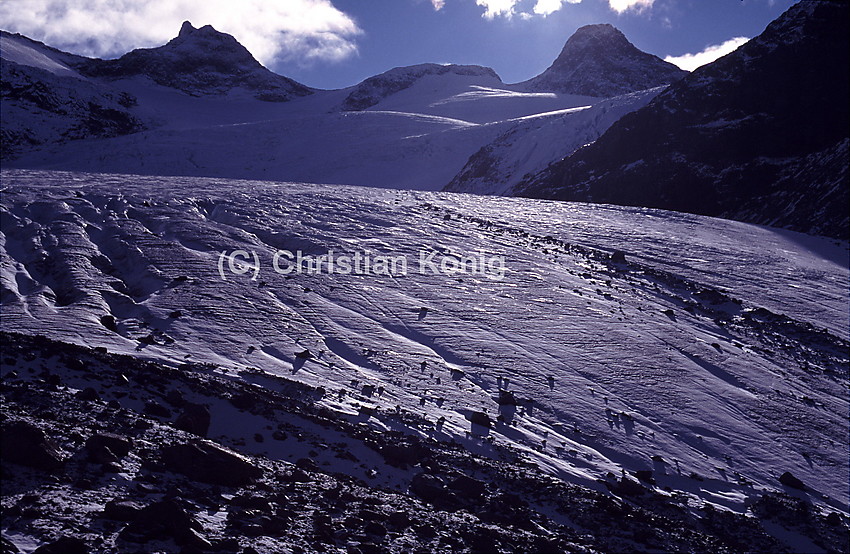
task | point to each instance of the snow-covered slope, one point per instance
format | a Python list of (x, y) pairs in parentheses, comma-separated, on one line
[(409, 139), (536, 141), (467, 92), (598, 60), (712, 353), (375, 89), (46, 101), (23, 51)]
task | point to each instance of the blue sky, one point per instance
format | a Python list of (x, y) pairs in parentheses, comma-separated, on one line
[(336, 43)]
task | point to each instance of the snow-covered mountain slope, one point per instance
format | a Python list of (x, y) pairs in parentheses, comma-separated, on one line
[(408, 140), (46, 101), (201, 102), (391, 149), (598, 60), (712, 353), (761, 134), (537, 141), (376, 89), (200, 62), (467, 92), (21, 50)]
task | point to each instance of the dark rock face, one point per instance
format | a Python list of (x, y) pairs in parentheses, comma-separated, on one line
[(760, 135), (209, 463), (598, 60), (200, 62), (25, 444)]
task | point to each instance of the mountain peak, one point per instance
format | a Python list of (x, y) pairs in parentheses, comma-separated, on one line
[(759, 135), (186, 29), (601, 37), (598, 60), (201, 61), (596, 30)]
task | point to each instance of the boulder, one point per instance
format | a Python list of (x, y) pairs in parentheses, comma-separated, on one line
[(789, 480), (209, 463), (194, 419), (175, 398), (121, 510), (163, 521), (89, 394), (618, 257), (117, 445), (402, 455), (645, 475), (399, 520), (109, 322), (480, 418), (468, 487), (26, 444), (432, 489), (507, 398), (156, 409)]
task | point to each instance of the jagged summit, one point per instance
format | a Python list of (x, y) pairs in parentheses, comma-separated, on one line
[(186, 29), (200, 61), (598, 60)]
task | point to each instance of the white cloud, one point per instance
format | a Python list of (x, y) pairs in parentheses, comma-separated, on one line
[(438, 4), (621, 6), (689, 62), (297, 30), (546, 7), (493, 8), (508, 8)]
